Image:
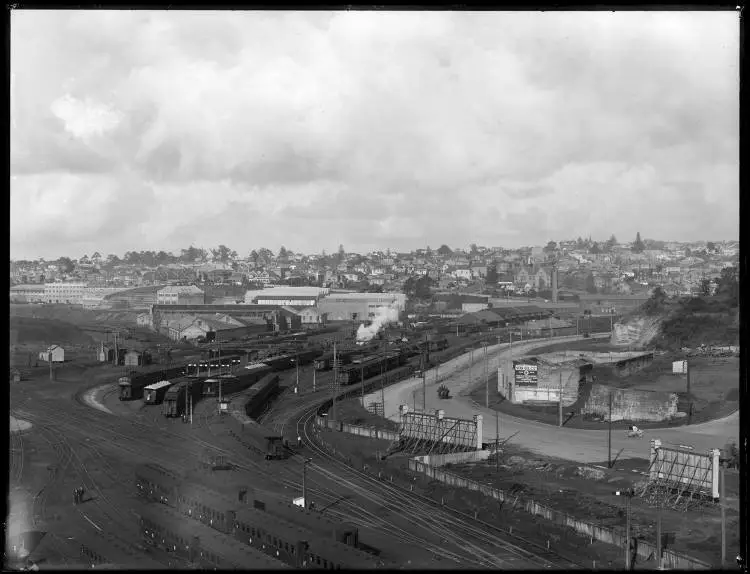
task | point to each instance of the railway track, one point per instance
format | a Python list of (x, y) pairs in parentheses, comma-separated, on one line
[(422, 510)]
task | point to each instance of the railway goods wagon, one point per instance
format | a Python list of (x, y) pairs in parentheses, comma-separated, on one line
[(256, 397), (307, 356), (256, 437), (345, 356), (370, 367), (164, 528), (131, 387), (154, 394), (239, 381), (178, 394)]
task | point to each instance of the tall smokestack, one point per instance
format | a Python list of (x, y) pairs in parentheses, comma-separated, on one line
[(554, 284)]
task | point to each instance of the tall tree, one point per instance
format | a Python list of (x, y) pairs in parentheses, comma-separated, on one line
[(550, 247), (66, 264), (612, 241), (710, 247), (341, 253), (595, 249), (444, 250), (282, 252)]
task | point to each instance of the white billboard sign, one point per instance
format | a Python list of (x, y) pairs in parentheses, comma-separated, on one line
[(679, 367)]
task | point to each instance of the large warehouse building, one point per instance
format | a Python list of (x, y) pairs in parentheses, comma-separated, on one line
[(359, 306)]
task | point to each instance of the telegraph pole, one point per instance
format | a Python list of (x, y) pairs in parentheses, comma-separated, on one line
[(335, 373), (723, 515), (362, 382), (486, 378), (497, 442), (424, 383), (382, 387), (560, 403), (690, 401), (609, 434), (49, 360)]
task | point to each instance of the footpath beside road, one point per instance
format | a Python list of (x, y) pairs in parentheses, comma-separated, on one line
[(585, 446)]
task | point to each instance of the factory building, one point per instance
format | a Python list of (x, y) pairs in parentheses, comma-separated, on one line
[(533, 380), (27, 293), (359, 306), (180, 295), (68, 293), (289, 296)]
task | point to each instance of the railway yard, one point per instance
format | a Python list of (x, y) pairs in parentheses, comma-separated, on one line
[(228, 468)]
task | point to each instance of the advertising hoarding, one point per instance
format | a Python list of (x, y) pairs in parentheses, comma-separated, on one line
[(527, 374), (679, 367)]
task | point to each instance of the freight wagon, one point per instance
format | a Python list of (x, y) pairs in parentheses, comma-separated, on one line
[(131, 387), (255, 398), (179, 394), (164, 528), (298, 547), (239, 381), (154, 394), (345, 356), (370, 367)]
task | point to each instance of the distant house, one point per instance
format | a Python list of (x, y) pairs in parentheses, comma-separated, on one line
[(55, 352)]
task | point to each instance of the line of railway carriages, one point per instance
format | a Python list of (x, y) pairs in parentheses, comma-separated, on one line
[(251, 525), (248, 431), (164, 528)]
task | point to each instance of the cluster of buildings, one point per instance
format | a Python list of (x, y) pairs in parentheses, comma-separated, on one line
[(581, 270)]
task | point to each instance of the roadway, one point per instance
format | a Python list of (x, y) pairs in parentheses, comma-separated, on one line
[(580, 445)]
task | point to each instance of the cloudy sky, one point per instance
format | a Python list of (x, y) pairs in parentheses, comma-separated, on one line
[(158, 130)]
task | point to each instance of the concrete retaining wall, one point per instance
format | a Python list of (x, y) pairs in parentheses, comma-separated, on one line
[(371, 432), (646, 550), (630, 404), (437, 460)]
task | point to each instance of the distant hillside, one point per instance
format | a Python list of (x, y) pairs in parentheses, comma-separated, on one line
[(685, 322)]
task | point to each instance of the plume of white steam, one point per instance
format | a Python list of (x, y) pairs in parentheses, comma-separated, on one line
[(383, 316)]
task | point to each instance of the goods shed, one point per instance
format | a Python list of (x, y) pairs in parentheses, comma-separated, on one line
[(53, 353)]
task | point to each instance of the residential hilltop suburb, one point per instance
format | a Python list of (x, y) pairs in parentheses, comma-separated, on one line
[(571, 405)]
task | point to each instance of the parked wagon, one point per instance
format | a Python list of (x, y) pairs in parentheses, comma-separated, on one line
[(239, 381), (133, 385), (154, 394), (180, 395)]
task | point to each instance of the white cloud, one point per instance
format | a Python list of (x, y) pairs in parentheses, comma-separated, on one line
[(372, 128)]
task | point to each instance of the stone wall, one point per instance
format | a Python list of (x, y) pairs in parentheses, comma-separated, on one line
[(630, 404)]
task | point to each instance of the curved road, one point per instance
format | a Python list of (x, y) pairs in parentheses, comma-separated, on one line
[(585, 446)]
